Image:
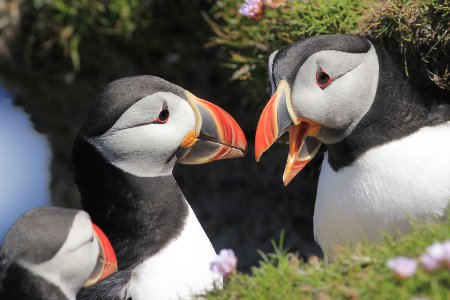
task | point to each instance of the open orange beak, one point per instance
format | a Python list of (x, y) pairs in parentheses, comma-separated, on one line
[(278, 117), (107, 261), (216, 136)]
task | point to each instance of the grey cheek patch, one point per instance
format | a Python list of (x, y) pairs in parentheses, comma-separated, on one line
[(270, 66)]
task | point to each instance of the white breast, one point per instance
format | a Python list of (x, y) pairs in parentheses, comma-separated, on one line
[(384, 188), (180, 270)]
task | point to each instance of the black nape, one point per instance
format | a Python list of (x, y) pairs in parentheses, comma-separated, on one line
[(400, 108), (140, 215)]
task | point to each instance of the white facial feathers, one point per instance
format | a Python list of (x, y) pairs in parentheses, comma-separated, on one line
[(141, 147), (74, 262), (342, 103), (270, 66)]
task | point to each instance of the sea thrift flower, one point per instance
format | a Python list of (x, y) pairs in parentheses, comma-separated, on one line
[(403, 267), (252, 9), (437, 255), (429, 262), (275, 3), (436, 250), (225, 263)]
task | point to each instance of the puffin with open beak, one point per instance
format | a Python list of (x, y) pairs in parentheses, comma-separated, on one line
[(137, 129), (50, 253), (387, 139)]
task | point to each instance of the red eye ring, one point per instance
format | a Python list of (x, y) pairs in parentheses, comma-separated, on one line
[(323, 79), (163, 116)]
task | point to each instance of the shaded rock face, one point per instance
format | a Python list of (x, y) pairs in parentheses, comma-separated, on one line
[(241, 204)]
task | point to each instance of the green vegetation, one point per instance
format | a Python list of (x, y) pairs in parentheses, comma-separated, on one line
[(65, 24), (357, 273), (417, 32)]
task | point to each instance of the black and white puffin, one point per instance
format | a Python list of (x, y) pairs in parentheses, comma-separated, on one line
[(135, 132), (388, 140), (50, 253)]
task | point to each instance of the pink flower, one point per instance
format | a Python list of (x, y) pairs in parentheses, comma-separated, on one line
[(225, 263), (402, 266), (436, 250), (437, 255), (275, 3), (252, 9), (429, 262)]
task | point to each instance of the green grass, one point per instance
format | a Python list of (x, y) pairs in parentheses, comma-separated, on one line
[(356, 273)]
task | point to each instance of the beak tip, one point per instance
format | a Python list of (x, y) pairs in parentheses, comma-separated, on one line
[(257, 157)]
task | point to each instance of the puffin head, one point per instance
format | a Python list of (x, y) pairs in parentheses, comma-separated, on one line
[(144, 125), (60, 245), (322, 86)]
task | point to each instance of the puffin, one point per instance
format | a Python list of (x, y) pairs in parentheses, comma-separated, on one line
[(135, 132), (387, 139), (49, 253)]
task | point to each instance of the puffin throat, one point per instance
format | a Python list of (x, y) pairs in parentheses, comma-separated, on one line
[(138, 216)]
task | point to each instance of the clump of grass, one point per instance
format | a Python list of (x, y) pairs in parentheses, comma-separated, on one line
[(417, 32), (356, 273)]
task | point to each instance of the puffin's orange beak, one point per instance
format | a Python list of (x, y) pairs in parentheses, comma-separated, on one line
[(278, 117), (216, 136), (107, 261)]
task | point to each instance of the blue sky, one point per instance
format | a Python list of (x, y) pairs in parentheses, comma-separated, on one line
[(24, 164)]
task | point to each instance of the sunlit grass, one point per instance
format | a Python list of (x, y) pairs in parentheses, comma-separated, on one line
[(356, 273)]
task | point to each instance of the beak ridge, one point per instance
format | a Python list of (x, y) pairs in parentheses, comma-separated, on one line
[(276, 118), (217, 135)]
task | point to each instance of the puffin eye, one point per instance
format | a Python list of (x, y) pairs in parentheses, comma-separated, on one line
[(323, 79), (163, 116)]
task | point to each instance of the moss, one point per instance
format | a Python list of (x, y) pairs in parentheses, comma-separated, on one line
[(417, 32), (358, 272)]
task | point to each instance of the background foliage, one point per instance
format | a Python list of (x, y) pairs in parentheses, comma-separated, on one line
[(65, 24), (417, 33)]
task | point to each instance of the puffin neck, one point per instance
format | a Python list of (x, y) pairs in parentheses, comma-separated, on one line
[(399, 109), (140, 215)]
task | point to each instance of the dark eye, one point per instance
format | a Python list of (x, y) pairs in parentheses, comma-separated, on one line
[(323, 79), (163, 116)]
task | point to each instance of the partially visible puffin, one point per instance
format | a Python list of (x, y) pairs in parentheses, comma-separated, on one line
[(135, 132), (50, 253), (388, 141)]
